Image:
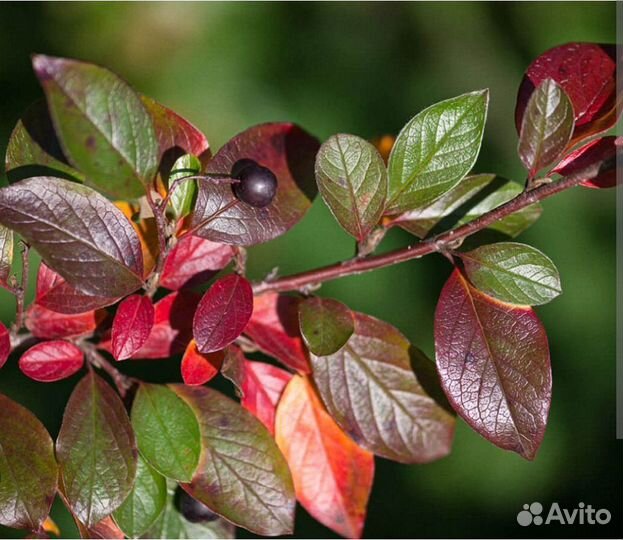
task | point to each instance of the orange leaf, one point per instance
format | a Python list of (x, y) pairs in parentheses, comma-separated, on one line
[(332, 475), (147, 233), (50, 527), (198, 368), (384, 145)]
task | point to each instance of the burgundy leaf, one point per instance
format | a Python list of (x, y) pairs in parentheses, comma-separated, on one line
[(233, 367), (595, 162), (285, 149), (194, 261), (48, 324), (51, 361), (223, 313), (274, 327), (198, 368), (493, 361), (5, 344), (55, 294), (132, 325), (587, 73)]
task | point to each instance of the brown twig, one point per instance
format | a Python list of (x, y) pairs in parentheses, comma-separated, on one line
[(95, 358)]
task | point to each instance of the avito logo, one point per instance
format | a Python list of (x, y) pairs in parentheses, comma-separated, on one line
[(582, 515)]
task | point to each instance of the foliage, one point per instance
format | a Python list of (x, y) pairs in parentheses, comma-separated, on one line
[(128, 202)]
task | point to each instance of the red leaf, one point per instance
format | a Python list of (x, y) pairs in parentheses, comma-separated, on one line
[(493, 361), (223, 313), (55, 294), (132, 325), (47, 324), (274, 327), (587, 73), (262, 387), (194, 261), (332, 475), (51, 361), (596, 162), (198, 368), (5, 344)]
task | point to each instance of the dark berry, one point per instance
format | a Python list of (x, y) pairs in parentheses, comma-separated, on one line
[(193, 510), (257, 185)]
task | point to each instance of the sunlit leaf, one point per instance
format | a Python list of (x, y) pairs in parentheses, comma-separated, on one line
[(5, 344), (332, 475), (6, 255), (28, 471), (223, 313), (326, 325), (493, 360), (47, 324), (131, 326), (512, 272), (435, 150), (546, 127), (242, 475), (51, 361), (183, 194), (352, 180), (369, 388), (167, 432), (78, 233), (198, 368), (103, 126), (96, 451)]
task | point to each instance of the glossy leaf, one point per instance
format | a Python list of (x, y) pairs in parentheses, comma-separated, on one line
[(274, 327), (103, 126), (46, 324), (51, 361), (471, 198), (183, 194), (78, 233), (5, 344), (171, 524), (587, 73), (369, 388), (262, 386), (55, 294), (106, 529), (546, 127), (96, 451), (6, 255), (242, 475), (145, 503), (352, 180), (233, 367), (194, 261), (512, 272), (596, 162), (326, 325), (131, 326), (28, 471), (198, 368), (332, 475), (223, 313), (435, 150), (167, 432), (493, 360), (289, 152)]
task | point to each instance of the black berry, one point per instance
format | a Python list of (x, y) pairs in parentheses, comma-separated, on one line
[(257, 185), (193, 510)]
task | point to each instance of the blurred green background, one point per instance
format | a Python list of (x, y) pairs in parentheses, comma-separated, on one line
[(367, 69)]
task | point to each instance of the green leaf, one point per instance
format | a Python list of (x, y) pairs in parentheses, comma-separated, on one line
[(34, 150), (167, 432), (435, 150), (183, 196), (172, 524), (6, 254), (547, 126), (78, 232), (96, 451), (326, 325), (512, 272), (242, 475), (145, 502), (28, 471), (352, 180), (103, 126), (471, 198)]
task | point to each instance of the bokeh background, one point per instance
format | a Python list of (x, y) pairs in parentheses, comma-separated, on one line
[(367, 68)]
